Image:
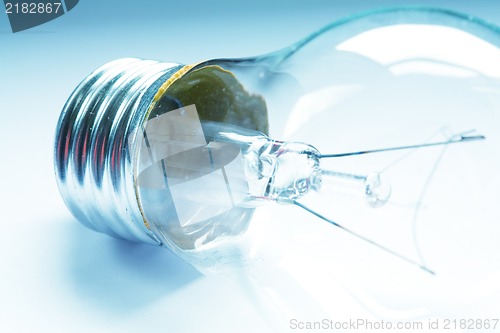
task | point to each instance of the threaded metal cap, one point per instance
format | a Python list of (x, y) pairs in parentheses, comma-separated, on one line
[(96, 145)]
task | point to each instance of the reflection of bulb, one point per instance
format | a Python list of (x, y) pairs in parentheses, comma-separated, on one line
[(179, 155)]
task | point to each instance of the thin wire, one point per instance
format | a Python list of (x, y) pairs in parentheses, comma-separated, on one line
[(424, 192), (410, 152), (355, 153), (298, 204), (420, 200)]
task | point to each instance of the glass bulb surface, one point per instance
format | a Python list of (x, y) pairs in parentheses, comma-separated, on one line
[(389, 78), (207, 156)]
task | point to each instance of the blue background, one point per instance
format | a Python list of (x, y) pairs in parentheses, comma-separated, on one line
[(56, 275)]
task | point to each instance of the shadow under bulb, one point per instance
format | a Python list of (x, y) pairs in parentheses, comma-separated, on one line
[(386, 122)]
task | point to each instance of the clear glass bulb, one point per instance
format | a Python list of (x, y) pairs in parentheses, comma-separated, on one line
[(388, 126)]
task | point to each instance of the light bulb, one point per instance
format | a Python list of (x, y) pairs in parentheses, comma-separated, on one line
[(382, 123)]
